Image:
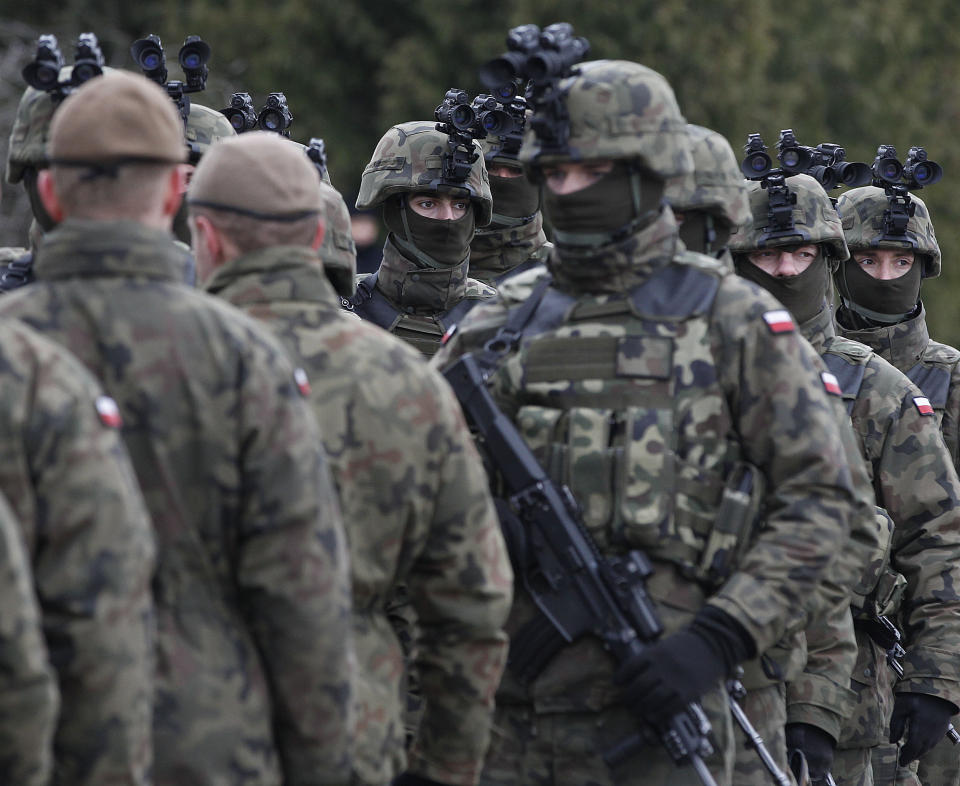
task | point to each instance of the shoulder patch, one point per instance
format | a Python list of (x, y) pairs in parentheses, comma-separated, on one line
[(448, 335), (108, 412), (302, 381), (831, 384), (779, 321), (922, 403)]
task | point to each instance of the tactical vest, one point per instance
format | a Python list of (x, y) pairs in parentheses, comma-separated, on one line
[(614, 393), (423, 331)]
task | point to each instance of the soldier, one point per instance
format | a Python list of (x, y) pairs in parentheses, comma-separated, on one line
[(338, 251), (254, 649), (914, 481), (67, 476), (28, 692), (409, 479), (421, 287), (640, 376), (880, 307)]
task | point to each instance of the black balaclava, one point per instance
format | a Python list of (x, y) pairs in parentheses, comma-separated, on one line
[(885, 302), (36, 204), (803, 294), (433, 242), (704, 232), (514, 198)]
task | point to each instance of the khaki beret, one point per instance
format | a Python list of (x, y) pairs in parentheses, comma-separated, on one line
[(257, 174), (117, 118)]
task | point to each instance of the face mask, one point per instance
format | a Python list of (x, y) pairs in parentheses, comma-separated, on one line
[(515, 197), (604, 207), (181, 229), (36, 205), (890, 298), (803, 294), (445, 242)]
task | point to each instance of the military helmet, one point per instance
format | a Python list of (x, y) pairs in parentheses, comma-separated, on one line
[(409, 158), (815, 220), (861, 213), (618, 110), (716, 185), (204, 127), (338, 252)]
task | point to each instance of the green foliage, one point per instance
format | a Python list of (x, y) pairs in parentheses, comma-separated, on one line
[(841, 72)]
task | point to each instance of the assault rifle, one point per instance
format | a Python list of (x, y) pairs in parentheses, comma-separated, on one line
[(578, 591)]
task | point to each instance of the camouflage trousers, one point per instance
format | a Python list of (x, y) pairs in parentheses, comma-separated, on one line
[(566, 749), (941, 766), (886, 771), (767, 710)]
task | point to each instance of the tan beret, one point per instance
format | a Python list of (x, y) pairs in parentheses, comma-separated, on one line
[(258, 174), (117, 118)]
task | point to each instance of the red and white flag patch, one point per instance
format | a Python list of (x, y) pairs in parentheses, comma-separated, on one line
[(779, 321), (108, 411), (448, 335), (831, 384), (923, 405), (302, 381)]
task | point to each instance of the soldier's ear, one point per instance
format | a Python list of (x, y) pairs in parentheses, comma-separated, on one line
[(318, 237), (176, 188), (48, 195)]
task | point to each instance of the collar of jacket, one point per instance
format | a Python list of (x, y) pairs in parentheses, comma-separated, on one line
[(495, 251), (819, 329), (420, 290), (617, 267), (81, 248), (901, 345), (272, 275)]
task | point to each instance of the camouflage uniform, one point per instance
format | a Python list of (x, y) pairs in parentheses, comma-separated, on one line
[(417, 299), (338, 251), (69, 480), (930, 365), (28, 692), (637, 367), (913, 483)]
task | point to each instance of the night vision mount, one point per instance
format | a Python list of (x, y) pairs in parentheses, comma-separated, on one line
[(193, 56), (43, 72), (898, 180), (273, 116), (540, 59)]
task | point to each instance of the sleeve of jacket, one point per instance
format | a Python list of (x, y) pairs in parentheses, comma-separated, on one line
[(293, 576), (28, 690), (919, 488), (787, 427), (93, 555), (460, 586)]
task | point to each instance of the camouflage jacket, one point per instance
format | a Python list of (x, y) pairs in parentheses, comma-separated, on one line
[(28, 691), (67, 476), (255, 657), (931, 366), (496, 251), (916, 484), (631, 397), (416, 304), (414, 495)]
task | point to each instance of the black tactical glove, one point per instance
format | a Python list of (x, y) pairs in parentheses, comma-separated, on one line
[(409, 779), (928, 718), (816, 745), (678, 669)]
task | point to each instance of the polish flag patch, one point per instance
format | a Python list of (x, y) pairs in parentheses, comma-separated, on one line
[(108, 411), (448, 335), (923, 405), (831, 384), (303, 383), (779, 321)]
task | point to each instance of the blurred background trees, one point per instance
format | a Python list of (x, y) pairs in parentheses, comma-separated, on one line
[(838, 72)]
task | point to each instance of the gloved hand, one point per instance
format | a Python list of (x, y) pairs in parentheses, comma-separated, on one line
[(680, 668), (816, 745), (928, 718), (409, 779)]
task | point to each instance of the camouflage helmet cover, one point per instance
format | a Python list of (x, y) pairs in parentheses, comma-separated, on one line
[(204, 127), (815, 220), (338, 251), (409, 159), (716, 185), (619, 110), (861, 213)]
